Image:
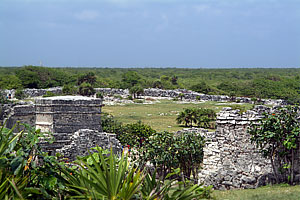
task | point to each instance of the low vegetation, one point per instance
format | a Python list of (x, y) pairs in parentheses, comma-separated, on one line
[(254, 83), (162, 115), (29, 173)]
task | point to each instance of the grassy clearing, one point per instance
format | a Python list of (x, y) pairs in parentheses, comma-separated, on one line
[(278, 192), (160, 116)]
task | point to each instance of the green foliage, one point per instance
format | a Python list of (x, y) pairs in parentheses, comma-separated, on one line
[(3, 98), (10, 82), (111, 125), (136, 91), (20, 176), (241, 108), (130, 79), (99, 95), (277, 137), (87, 78), (69, 89), (138, 101), (156, 188), (19, 94), (167, 151), (259, 83), (86, 89), (49, 94), (135, 134), (200, 116), (201, 87), (41, 77), (111, 178)]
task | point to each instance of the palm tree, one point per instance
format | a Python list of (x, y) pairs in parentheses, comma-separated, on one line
[(188, 116)]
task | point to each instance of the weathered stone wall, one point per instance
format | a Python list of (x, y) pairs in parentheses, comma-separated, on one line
[(230, 160), (84, 139), (21, 113), (64, 115), (153, 92)]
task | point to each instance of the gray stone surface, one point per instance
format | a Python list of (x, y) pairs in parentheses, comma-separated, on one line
[(84, 139), (230, 160), (188, 95)]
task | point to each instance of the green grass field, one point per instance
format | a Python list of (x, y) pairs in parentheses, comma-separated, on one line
[(278, 192), (160, 116)]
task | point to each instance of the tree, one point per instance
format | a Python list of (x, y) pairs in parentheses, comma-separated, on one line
[(136, 91), (200, 116), (201, 87), (187, 117), (87, 78), (135, 134), (86, 89), (204, 117), (10, 82), (277, 138), (69, 89), (130, 79), (174, 80), (166, 150), (41, 77)]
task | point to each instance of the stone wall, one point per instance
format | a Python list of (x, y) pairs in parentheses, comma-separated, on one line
[(20, 113), (74, 121), (230, 160), (153, 92), (84, 139)]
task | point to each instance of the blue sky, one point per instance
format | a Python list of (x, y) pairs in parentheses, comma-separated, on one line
[(150, 33)]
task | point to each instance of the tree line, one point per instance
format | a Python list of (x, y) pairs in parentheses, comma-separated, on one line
[(258, 83)]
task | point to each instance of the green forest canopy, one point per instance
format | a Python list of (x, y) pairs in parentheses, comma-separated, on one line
[(272, 83)]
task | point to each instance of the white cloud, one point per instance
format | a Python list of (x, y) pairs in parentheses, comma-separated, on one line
[(87, 15)]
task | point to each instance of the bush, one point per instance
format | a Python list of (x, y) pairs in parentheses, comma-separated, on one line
[(138, 101), (118, 96), (200, 116), (277, 138), (239, 107), (19, 94), (69, 90), (49, 94), (86, 89), (166, 151), (99, 95), (135, 134)]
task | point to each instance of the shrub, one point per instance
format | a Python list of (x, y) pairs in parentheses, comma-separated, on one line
[(138, 101), (19, 94), (49, 94), (241, 108), (86, 89), (135, 134), (69, 89), (118, 96), (167, 151), (277, 138), (200, 116), (99, 95)]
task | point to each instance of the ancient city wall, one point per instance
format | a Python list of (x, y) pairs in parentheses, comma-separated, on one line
[(153, 92)]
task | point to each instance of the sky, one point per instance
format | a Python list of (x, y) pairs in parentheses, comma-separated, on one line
[(150, 33)]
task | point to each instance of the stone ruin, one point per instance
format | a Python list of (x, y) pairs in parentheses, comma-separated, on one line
[(230, 159), (187, 95), (75, 122)]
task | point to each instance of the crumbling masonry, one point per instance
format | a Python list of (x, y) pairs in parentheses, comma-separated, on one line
[(74, 121)]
